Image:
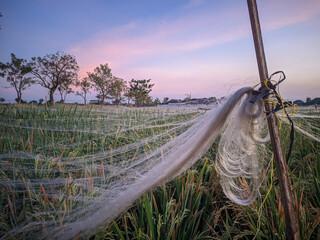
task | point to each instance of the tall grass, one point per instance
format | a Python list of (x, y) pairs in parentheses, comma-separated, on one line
[(192, 206)]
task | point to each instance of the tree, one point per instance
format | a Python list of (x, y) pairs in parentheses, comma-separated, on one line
[(139, 91), (85, 86), (128, 95), (2, 100), (165, 100), (21, 100), (187, 98), (149, 101), (55, 70), (101, 79), (157, 101), (308, 100), (16, 73), (116, 88), (64, 89)]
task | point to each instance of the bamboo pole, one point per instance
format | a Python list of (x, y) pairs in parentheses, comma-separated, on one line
[(292, 227)]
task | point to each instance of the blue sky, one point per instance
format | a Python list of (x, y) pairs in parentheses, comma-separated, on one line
[(202, 47)]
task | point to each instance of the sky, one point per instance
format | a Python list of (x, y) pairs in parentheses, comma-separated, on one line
[(198, 47)]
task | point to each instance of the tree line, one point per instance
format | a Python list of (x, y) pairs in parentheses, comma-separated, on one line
[(59, 72)]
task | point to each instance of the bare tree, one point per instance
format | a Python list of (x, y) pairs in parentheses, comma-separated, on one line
[(85, 86), (54, 70), (17, 74)]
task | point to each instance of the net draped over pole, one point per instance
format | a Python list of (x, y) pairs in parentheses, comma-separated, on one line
[(292, 228)]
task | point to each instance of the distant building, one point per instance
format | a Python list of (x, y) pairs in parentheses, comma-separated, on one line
[(94, 102), (315, 101), (299, 102), (173, 101), (210, 100), (33, 102), (193, 101), (309, 103)]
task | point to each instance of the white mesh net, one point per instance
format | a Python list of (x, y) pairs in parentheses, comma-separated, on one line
[(74, 171)]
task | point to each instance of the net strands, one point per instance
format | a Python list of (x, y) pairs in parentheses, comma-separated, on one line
[(100, 163), (307, 123)]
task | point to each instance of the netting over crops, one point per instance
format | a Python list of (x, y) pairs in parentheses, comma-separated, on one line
[(67, 172)]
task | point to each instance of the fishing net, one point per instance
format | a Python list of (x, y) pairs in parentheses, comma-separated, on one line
[(66, 173)]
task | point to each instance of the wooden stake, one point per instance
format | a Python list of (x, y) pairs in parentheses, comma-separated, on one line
[(292, 227)]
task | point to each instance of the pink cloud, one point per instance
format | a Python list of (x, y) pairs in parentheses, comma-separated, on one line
[(122, 46), (284, 13), (127, 49)]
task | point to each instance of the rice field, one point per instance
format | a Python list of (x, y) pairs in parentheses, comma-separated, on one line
[(53, 163)]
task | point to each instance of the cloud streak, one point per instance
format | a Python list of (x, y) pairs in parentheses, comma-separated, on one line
[(141, 39), (196, 30), (137, 45)]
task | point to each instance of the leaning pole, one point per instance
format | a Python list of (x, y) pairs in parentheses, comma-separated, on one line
[(292, 227)]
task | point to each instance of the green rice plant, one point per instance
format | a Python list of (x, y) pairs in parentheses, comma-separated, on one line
[(191, 206), (219, 218)]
